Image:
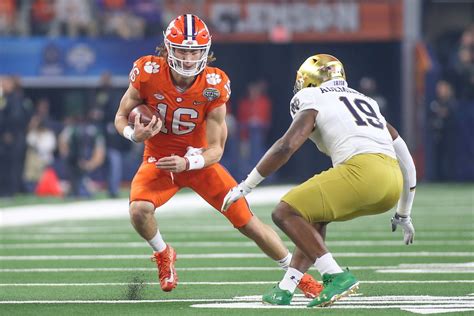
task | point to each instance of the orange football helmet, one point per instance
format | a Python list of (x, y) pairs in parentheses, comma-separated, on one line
[(187, 32)]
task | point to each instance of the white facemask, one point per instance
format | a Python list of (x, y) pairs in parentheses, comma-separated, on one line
[(177, 64)]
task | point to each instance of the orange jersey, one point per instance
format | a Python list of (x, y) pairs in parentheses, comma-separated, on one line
[(183, 113)]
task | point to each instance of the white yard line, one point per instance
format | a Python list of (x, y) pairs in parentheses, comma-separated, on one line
[(236, 255), (425, 271), (228, 244), (218, 283), (178, 205), (130, 235), (42, 237), (441, 268), (195, 269), (182, 223), (116, 301), (419, 309), (101, 209), (114, 230), (426, 266), (415, 304)]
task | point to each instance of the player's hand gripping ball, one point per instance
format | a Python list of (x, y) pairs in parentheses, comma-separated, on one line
[(145, 121), (146, 114)]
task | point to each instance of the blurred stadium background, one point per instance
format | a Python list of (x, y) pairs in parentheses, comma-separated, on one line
[(65, 63)]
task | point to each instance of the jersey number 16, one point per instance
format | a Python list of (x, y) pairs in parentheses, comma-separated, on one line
[(178, 125)]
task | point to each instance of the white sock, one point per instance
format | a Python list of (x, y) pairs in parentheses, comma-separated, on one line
[(290, 280), (326, 264), (157, 242), (285, 262)]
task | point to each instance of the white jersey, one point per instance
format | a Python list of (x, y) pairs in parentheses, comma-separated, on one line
[(348, 123)]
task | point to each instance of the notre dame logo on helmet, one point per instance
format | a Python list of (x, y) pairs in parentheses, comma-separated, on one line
[(294, 105)]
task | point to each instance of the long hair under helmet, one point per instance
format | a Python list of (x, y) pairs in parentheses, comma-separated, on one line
[(187, 32)]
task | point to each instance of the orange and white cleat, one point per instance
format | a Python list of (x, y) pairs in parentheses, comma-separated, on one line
[(309, 286), (166, 271)]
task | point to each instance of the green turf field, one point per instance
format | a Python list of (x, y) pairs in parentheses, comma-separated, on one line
[(103, 267)]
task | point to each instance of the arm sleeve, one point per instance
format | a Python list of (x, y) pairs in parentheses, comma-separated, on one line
[(407, 167)]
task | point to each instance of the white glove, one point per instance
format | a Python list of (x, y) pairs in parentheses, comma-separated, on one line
[(237, 192), (192, 151), (407, 226)]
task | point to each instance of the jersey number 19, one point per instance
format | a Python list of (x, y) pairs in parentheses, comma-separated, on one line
[(366, 109)]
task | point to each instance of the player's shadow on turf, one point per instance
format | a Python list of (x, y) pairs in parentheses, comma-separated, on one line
[(135, 288)]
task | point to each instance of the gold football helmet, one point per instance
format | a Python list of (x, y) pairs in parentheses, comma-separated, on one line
[(318, 69)]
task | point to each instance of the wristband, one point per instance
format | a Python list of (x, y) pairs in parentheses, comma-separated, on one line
[(254, 178), (128, 133), (194, 162)]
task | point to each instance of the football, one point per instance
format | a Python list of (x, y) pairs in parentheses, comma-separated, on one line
[(146, 114)]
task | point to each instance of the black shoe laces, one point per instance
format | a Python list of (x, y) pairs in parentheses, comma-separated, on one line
[(328, 280)]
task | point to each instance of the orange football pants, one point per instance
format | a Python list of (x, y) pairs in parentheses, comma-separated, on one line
[(211, 183)]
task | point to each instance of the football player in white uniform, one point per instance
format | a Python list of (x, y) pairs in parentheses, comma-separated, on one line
[(372, 170)]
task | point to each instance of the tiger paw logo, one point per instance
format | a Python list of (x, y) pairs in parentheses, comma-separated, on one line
[(213, 78), (151, 67)]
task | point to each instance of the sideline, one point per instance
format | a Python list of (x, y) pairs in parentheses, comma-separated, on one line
[(118, 208)]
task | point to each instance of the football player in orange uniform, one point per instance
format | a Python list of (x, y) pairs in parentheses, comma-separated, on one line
[(183, 148)]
